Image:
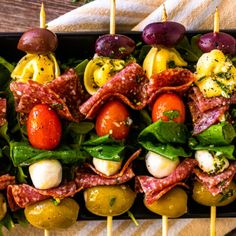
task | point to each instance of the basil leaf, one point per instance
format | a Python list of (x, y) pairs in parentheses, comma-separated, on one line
[(105, 152), (219, 135), (80, 68), (227, 151), (22, 154), (163, 138), (80, 128)]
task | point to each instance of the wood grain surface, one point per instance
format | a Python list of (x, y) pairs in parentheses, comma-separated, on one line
[(20, 15)]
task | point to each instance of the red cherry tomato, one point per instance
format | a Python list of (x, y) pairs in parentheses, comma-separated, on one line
[(171, 105), (113, 119), (43, 127)]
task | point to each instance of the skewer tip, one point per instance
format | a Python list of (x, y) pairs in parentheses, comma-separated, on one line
[(42, 16), (109, 225), (216, 21), (213, 221), (164, 14), (164, 225)]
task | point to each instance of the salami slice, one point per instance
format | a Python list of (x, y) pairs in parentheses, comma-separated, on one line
[(3, 110), (201, 121), (23, 195), (129, 85), (126, 165), (87, 179), (217, 183), (62, 94), (177, 80), (152, 186), (6, 180)]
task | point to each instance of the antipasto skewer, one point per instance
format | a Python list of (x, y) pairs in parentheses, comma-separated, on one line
[(216, 76)]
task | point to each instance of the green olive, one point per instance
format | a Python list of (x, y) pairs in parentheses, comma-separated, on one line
[(3, 206), (47, 215), (173, 204), (109, 200), (204, 197)]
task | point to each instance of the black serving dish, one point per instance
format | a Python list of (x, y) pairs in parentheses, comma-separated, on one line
[(81, 46)]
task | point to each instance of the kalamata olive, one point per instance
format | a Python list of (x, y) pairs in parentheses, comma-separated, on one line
[(109, 200), (114, 46), (222, 41), (47, 215), (38, 41), (165, 33), (202, 195), (173, 204)]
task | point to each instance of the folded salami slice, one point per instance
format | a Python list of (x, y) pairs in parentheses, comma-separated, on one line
[(22, 195), (129, 85), (152, 187), (217, 183), (6, 180), (87, 179), (132, 87), (64, 94), (3, 110), (171, 80), (203, 120)]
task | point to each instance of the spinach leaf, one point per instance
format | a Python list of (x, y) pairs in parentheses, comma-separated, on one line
[(164, 138), (104, 147), (220, 134), (23, 154), (227, 151), (80, 68), (190, 51)]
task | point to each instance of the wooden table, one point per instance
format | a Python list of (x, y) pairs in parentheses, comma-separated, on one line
[(20, 15)]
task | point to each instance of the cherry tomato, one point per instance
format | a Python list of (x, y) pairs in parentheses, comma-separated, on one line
[(169, 106), (43, 127), (113, 119)]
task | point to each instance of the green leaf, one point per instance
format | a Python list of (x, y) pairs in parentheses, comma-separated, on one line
[(80, 68), (172, 114), (166, 139), (220, 134), (227, 151), (130, 214), (6, 222), (3, 132), (80, 128), (106, 139), (6, 64), (23, 154), (21, 175), (189, 52)]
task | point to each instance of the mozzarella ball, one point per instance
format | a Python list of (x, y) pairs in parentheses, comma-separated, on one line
[(107, 167), (46, 174), (160, 166), (209, 163)]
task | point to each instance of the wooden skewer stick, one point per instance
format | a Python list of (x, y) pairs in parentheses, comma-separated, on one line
[(42, 17), (46, 232), (109, 225), (216, 21), (112, 17), (164, 14), (213, 221), (164, 225)]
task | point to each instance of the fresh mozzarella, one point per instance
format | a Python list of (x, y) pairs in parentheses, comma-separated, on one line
[(209, 163), (160, 166), (107, 167), (46, 174)]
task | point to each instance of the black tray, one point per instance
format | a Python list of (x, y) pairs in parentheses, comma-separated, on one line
[(81, 46)]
